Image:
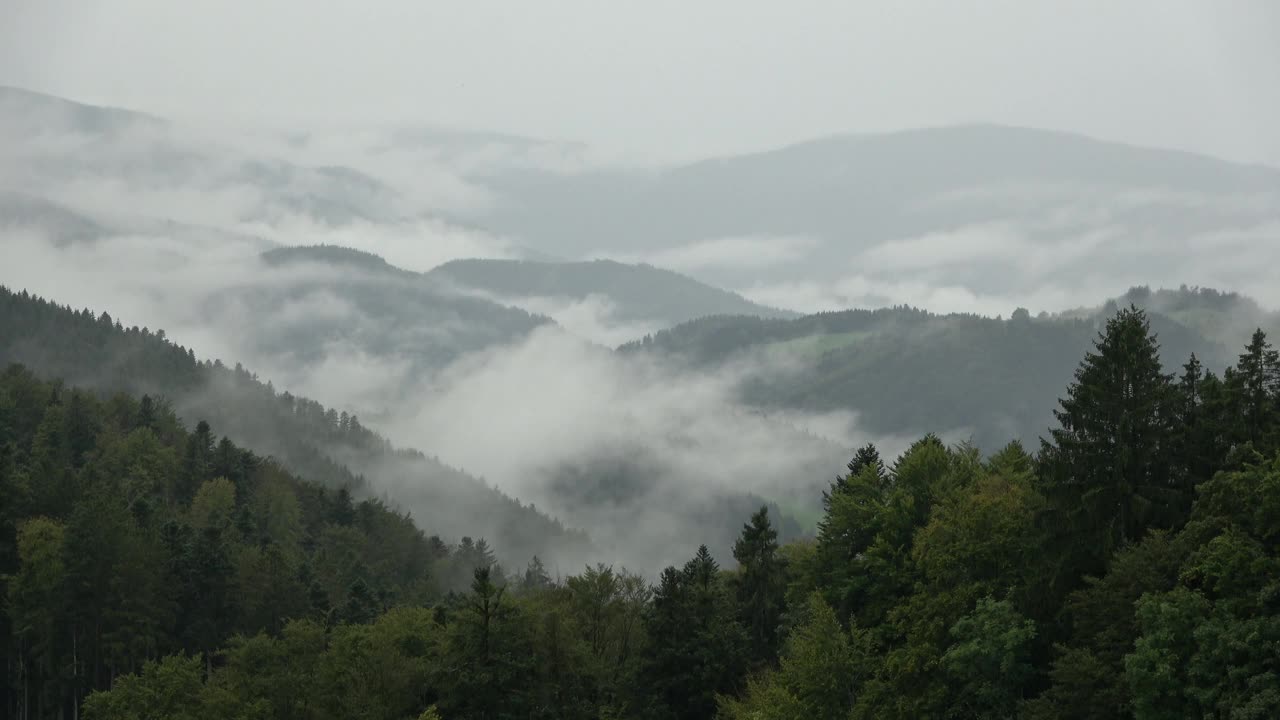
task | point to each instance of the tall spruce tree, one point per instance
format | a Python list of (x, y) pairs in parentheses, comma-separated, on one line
[(1107, 468), (867, 456), (1257, 387), (760, 585), (696, 648)]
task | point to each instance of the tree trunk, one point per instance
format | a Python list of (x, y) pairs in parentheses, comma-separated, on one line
[(75, 678)]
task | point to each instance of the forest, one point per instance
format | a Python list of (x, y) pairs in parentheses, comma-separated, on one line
[(1128, 567)]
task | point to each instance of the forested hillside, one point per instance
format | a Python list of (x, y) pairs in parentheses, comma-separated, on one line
[(638, 293), (1127, 568), (910, 371), (124, 537), (397, 313), (318, 443)]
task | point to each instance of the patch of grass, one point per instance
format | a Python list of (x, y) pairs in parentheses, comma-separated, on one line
[(817, 345)]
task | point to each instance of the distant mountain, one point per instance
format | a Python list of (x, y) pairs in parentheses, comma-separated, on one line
[(19, 211), (397, 313), (37, 113), (84, 155), (637, 293), (852, 189), (874, 220), (908, 371)]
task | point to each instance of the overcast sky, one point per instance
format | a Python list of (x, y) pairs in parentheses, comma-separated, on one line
[(662, 79)]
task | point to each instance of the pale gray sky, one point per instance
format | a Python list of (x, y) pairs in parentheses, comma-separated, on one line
[(663, 79)]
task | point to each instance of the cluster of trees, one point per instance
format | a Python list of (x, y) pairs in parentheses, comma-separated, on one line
[(1128, 568), (124, 538)]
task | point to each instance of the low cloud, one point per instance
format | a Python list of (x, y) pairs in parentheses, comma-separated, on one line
[(1050, 248), (594, 317), (750, 252), (523, 416), (518, 415)]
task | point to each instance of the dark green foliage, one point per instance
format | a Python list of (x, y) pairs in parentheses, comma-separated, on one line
[(96, 586), (697, 650), (152, 572), (1257, 382), (989, 660), (760, 586), (1108, 468), (821, 666)]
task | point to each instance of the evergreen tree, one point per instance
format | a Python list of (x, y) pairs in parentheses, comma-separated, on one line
[(146, 412), (535, 576), (697, 649), (867, 456), (1108, 465), (489, 672), (1257, 385), (197, 465), (760, 585), (362, 604)]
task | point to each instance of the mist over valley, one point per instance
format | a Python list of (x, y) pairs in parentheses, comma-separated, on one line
[(655, 362)]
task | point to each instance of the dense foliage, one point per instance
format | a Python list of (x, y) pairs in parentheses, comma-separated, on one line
[(1127, 569), (124, 537)]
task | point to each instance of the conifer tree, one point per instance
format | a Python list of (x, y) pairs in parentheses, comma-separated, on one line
[(535, 576), (1257, 385), (760, 585), (1107, 467), (867, 456)]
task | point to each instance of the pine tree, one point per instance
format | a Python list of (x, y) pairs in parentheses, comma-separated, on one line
[(488, 670), (1258, 388), (1194, 458), (535, 576), (867, 456), (760, 585), (198, 462), (1107, 467), (696, 648), (146, 412), (362, 604), (344, 512)]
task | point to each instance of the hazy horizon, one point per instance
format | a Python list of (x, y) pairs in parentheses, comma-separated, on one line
[(656, 89)]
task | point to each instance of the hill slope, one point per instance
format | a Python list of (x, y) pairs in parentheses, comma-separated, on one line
[(400, 313), (636, 293), (910, 371), (318, 443)]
